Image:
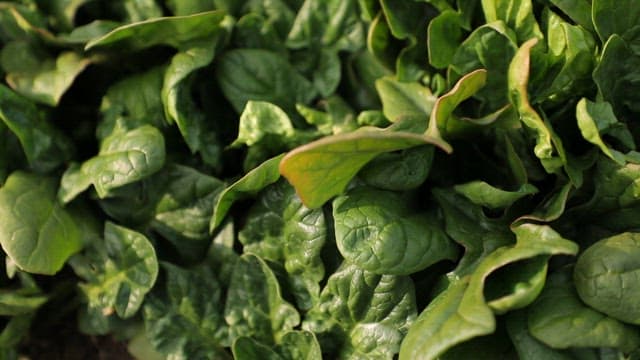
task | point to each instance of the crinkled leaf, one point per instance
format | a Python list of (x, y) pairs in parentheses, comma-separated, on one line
[(559, 319), (254, 306), (261, 75), (183, 210), (279, 228), (118, 272), (34, 74), (183, 319), (247, 186), (381, 233), (44, 145), (124, 158), (295, 345), (175, 31), (607, 274), (36, 232), (361, 314)]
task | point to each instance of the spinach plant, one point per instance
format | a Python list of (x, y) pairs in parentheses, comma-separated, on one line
[(307, 179)]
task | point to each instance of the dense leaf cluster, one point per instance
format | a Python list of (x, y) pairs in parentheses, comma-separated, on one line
[(299, 179)]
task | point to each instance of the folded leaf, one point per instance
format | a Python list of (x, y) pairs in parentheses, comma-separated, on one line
[(124, 158)]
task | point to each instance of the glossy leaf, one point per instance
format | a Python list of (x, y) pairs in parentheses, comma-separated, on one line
[(280, 229), (260, 120), (44, 145), (483, 194), (606, 276), (559, 319), (594, 119), (362, 315), (44, 81), (379, 232), (247, 186), (254, 306), (118, 272), (295, 345), (183, 319), (406, 170), (617, 17), (445, 35), (461, 311), (124, 157), (36, 232)]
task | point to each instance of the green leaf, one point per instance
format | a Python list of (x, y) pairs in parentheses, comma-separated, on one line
[(279, 228), (331, 24), (616, 72), (559, 319), (445, 35), (400, 99), (183, 319), (261, 75), (132, 102), (606, 276), (516, 14), (380, 232), (247, 186), (124, 158), (295, 345), (615, 17), (35, 231), (188, 7), (119, 272), (175, 31), (254, 306), (44, 145), (362, 315), (461, 312), (401, 171), (491, 47), (595, 119), (571, 49), (21, 301), (483, 194), (179, 105), (578, 10), (184, 208), (442, 122), (44, 80), (323, 168), (527, 346), (262, 120)]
